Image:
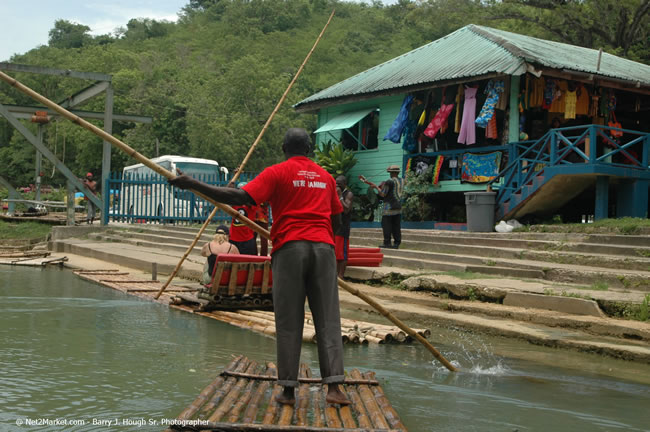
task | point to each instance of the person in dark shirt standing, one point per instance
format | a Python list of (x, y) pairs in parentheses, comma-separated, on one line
[(306, 213), (342, 238), (391, 193)]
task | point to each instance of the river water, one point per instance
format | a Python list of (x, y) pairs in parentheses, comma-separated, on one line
[(73, 351)]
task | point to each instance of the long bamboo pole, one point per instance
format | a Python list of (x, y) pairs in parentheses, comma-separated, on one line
[(226, 208), (240, 169)]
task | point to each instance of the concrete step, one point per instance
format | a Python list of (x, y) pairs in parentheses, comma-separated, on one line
[(609, 245), (132, 256), (176, 249), (631, 262)]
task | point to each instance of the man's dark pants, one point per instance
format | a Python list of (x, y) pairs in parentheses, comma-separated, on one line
[(392, 225), (303, 269)]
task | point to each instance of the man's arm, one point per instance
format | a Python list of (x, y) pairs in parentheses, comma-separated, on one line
[(222, 195), (346, 202)]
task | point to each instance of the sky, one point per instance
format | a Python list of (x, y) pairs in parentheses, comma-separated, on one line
[(24, 24)]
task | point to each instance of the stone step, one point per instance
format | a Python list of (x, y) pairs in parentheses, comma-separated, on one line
[(177, 248), (610, 245), (633, 262), (132, 256)]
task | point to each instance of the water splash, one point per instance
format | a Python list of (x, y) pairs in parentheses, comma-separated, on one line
[(471, 354)]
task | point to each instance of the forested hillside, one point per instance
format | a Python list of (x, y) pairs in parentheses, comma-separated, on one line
[(211, 79)]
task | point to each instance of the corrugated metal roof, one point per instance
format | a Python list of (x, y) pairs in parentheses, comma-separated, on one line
[(559, 55), (344, 120), (476, 51)]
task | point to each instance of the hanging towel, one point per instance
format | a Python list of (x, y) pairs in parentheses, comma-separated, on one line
[(394, 134)]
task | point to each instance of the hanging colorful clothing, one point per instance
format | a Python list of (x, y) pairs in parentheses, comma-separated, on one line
[(582, 101), (394, 134), (467, 133), (570, 100), (439, 120), (491, 129), (459, 97), (549, 93), (559, 101), (537, 92), (504, 98), (410, 143), (493, 90)]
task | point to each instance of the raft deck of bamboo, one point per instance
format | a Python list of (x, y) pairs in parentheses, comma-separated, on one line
[(242, 398)]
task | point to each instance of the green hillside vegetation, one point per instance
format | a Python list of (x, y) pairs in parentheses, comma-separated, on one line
[(211, 79)]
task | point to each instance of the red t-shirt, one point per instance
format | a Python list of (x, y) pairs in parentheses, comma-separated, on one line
[(238, 231), (302, 197)]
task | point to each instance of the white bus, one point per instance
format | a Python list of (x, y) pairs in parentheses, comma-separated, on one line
[(146, 196)]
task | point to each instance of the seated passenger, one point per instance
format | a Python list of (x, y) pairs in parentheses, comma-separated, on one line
[(218, 245)]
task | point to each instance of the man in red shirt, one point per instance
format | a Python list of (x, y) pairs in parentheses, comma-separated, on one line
[(306, 213), (240, 235)]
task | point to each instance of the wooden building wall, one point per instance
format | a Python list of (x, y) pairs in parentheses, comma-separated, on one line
[(371, 163)]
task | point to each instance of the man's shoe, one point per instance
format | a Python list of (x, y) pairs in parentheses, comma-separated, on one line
[(385, 246)]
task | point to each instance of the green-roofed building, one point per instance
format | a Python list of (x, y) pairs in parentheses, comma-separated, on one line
[(565, 128)]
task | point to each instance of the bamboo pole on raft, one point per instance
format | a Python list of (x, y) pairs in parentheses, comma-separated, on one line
[(240, 169), (226, 208)]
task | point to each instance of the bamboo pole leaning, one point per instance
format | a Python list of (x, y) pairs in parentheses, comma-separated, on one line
[(226, 208), (240, 169)]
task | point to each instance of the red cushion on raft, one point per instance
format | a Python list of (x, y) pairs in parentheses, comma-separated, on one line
[(364, 262)]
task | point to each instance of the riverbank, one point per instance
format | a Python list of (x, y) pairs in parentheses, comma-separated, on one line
[(617, 338)]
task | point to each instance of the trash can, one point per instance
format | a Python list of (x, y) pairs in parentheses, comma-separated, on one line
[(480, 211)]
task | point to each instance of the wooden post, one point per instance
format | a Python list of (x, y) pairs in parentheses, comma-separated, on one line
[(513, 120), (602, 197), (70, 215)]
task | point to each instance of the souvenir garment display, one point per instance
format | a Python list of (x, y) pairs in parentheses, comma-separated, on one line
[(467, 133), (537, 92), (504, 97), (549, 93), (436, 169), (421, 167), (394, 134), (491, 129), (459, 96), (410, 144), (558, 104), (582, 100), (480, 168), (439, 120), (493, 90), (570, 100)]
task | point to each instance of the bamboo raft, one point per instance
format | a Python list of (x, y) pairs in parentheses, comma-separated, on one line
[(125, 282), (242, 398), (260, 321), (32, 259), (352, 331)]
